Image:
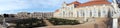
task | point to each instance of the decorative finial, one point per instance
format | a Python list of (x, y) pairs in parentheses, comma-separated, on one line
[(91, 0), (64, 2)]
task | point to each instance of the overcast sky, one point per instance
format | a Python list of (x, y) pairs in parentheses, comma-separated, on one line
[(14, 6)]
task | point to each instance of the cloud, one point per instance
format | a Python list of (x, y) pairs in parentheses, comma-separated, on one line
[(6, 5), (14, 6)]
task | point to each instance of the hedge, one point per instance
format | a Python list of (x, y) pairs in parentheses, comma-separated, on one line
[(59, 21)]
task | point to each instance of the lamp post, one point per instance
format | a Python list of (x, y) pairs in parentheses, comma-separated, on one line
[(5, 25), (3, 20)]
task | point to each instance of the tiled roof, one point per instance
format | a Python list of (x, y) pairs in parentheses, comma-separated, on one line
[(92, 2), (57, 10), (75, 3), (98, 0)]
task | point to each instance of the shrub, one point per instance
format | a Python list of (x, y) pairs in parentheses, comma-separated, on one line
[(59, 21)]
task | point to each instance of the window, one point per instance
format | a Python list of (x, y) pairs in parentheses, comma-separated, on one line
[(72, 13), (63, 13), (77, 13), (99, 14), (103, 13), (94, 13), (90, 13), (67, 7), (60, 14), (70, 8), (68, 13), (75, 5), (81, 13)]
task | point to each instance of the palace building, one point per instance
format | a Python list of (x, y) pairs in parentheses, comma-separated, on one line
[(91, 9)]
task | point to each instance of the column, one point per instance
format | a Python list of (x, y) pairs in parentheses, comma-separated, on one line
[(101, 13), (80, 13), (93, 14)]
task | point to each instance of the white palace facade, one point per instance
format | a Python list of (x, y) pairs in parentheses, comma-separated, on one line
[(91, 9)]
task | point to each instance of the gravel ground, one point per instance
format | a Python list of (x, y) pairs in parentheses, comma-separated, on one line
[(99, 24)]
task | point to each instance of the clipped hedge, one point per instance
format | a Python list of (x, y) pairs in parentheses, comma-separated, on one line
[(59, 21), (29, 23)]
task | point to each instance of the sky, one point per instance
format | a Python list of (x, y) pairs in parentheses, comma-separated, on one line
[(15, 6)]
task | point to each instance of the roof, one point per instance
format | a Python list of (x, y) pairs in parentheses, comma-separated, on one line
[(98, 0), (92, 2), (57, 10), (75, 3)]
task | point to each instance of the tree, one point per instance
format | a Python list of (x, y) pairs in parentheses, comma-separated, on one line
[(118, 2), (5, 15)]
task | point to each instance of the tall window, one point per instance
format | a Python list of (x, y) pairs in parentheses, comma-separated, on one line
[(93, 13), (90, 13), (70, 8), (99, 13), (67, 7), (77, 13), (103, 13), (63, 12), (60, 14), (96, 12), (69, 14), (81, 13)]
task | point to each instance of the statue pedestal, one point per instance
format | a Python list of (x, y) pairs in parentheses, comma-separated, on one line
[(115, 20), (115, 23)]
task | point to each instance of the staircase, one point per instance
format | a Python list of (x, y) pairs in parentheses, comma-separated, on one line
[(47, 22)]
